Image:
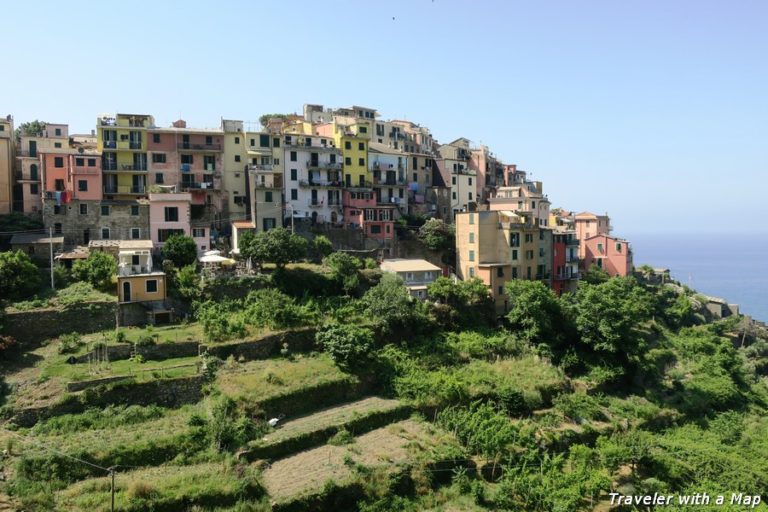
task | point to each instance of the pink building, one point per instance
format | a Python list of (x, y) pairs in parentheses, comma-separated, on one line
[(85, 169), (361, 210), (169, 214), (614, 255), (588, 225)]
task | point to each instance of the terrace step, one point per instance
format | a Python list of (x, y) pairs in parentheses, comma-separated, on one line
[(316, 428)]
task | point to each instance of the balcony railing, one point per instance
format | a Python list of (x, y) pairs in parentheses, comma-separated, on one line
[(109, 167), (263, 167), (133, 145), (110, 144), (324, 165), (319, 183), (129, 167), (545, 275), (381, 166), (188, 146), (566, 277), (197, 185), (125, 190), (389, 181), (268, 185)]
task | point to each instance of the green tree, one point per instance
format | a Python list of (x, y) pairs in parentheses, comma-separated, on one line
[(218, 322), (187, 283), (19, 277), (534, 311), (274, 309), (595, 275), (97, 270), (467, 302), (181, 250), (348, 345), (344, 270), (607, 315), (390, 303), (437, 235), (32, 129), (278, 246), (322, 245), (264, 119)]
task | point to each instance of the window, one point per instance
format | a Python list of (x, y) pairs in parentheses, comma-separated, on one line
[(187, 159), (198, 232), (105, 233), (264, 140), (600, 248), (471, 255), (514, 272), (276, 161), (471, 218), (83, 209), (514, 240), (58, 132), (276, 142), (58, 162), (293, 156), (82, 186), (541, 251), (347, 161), (499, 271), (57, 144), (159, 178), (618, 247), (471, 238), (375, 229), (469, 195), (171, 214), (237, 140), (294, 194), (165, 234), (453, 180), (347, 145), (501, 290), (158, 158), (253, 142), (471, 271), (268, 196), (363, 129), (151, 285), (91, 162), (57, 228), (135, 233), (361, 162), (80, 162), (33, 189), (105, 210), (514, 254), (529, 255), (533, 205), (470, 182), (135, 210), (361, 146), (453, 195), (294, 174), (156, 138)]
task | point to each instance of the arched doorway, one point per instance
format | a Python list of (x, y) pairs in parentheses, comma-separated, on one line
[(127, 291)]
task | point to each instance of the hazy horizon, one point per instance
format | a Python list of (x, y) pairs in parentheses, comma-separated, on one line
[(651, 112)]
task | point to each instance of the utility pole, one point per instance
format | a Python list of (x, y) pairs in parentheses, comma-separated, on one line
[(112, 474), (50, 245)]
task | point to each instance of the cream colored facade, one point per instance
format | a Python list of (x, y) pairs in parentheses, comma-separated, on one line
[(497, 246), (524, 197), (6, 164), (234, 172)]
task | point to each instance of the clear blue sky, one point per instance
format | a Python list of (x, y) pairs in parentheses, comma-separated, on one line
[(654, 111)]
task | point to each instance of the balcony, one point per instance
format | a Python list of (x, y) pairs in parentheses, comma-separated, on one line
[(269, 185), (316, 204), (566, 277), (314, 164), (319, 183), (197, 185), (260, 168), (110, 144), (393, 182), (188, 146), (124, 190), (574, 242), (379, 166), (128, 167), (360, 186), (545, 275), (131, 145)]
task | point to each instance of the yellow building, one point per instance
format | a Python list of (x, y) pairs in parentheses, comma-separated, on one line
[(6, 164), (352, 139), (137, 281), (497, 246), (122, 140), (235, 170)]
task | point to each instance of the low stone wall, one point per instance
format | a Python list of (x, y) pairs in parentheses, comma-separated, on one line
[(299, 340), (33, 327), (162, 392), (85, 384), (157, 352)]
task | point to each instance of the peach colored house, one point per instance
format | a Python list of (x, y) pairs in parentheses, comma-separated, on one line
[(85, 170), (588, 224), (614, 255)]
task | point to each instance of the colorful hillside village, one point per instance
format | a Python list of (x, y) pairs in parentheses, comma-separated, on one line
[(129, 184)]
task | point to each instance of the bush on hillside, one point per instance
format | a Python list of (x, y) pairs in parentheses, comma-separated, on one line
[(349, 346), (98, 270), (19, 277)]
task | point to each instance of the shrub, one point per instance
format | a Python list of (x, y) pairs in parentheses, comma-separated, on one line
[(274, 309), (97, 270), (181, 250), (348, 345), (218, 324), (322, 245), (69, 343), (579, 406), (19, 277), (138, 490)]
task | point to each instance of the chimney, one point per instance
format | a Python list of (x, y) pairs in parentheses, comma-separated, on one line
[(180, 124), (93, 133)]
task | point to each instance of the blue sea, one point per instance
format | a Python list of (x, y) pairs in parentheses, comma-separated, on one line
[(731, 266)]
